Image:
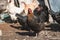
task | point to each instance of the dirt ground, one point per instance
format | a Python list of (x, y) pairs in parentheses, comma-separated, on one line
[(14, 32)]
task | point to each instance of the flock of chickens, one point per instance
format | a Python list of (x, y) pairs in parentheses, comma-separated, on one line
[(29, 14)]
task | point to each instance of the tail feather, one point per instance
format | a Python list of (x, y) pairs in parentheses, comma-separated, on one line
[(21, 19)]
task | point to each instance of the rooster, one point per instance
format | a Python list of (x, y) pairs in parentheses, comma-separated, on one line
[(31, 22), (34, 23)]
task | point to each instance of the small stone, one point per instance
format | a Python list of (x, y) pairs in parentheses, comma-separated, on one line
[(0, 32), (24, 39), (16, 39)]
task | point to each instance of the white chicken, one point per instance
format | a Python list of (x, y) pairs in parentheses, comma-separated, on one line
[(13, 9)]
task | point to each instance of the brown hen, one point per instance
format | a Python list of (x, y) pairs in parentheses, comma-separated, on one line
[(34, 23)]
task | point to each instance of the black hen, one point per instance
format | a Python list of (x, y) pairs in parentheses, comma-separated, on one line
[(42, 13)]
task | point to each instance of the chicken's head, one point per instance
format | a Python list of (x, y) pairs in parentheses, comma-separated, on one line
[(29, 11)]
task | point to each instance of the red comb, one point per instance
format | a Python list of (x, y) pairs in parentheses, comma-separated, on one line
[(29, 10)]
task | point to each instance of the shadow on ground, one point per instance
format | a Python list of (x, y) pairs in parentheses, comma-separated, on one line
[(54, 27), (16, 27), (20, 27), (26, 33)]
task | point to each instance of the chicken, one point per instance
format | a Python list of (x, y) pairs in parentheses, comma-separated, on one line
[(42, 13), (30, 21), (34, 23), (55, 16), (13, 10)]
